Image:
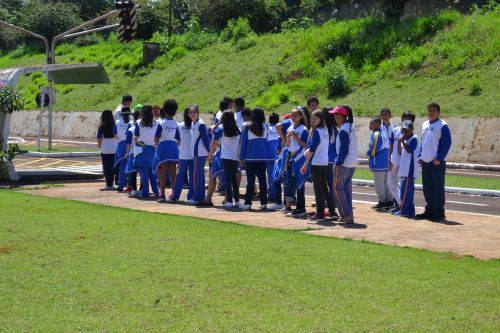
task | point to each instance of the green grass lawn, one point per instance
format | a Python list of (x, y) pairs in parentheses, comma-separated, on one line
[(453, 181), (56, 149), (68, 266)]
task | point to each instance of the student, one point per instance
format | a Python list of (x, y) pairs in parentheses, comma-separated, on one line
[(228, 135), (126, 102), (408, 169), (200, 146), (272, 142), (144, 151), (317, 156), (167, 138), (131, 170), (280, 161), (333, 131), (121, 127), (345, 162), (296, 136), (239, 106), (388, 129), (107, 144), (312, 104), (254, 156), (185, 159), (394, 160), (436, 143), (378, 154)]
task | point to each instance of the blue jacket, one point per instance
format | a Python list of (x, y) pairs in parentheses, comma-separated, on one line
[(254, 148), (378, 152)]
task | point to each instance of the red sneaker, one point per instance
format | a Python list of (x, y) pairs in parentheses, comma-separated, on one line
[(128, 189)]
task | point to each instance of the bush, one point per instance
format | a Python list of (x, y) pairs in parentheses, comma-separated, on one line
[(276, 96), (293, 24), (236, 29), (338, 77), (194, 37), (475, 88), (24, 49)]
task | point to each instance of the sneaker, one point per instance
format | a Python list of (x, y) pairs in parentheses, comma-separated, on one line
[(227, 205), (134, 193), (263, 207), (396, 213), (297, 213), (333, 216), (237, 204), (205, 204), (423, 216), (192, 202), (172, 201), (107, 188), (316, 217), (347, 219), (120, 190), (380, 205), (162, 199), (128, 189), (395, 209), (276, 207), (245, 207), (286, 210), (388, 205)]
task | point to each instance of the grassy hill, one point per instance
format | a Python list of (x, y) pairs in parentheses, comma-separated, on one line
[(366, 63)]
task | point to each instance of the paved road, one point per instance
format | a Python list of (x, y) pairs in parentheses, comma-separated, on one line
[(456, 202)]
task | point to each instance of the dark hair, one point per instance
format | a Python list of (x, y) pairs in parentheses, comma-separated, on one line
[(257, 120), (434, 105), (223, 105), (385, 110), (169, 108), (228, 99), (312, 99), (239, 102), (137, 114), (299, 110), (376, 120), (274, 118), (125, 113), (187, 119), (126, 98), (229, 124), (409, 114), (147, 116), (321, 116), (247, 112), (307, 116), (107, 124), (350, 115), (329, 119)]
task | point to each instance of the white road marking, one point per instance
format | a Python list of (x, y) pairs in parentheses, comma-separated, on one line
[(467, 203)]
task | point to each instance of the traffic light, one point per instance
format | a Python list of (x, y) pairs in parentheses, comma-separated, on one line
[(128, 20)]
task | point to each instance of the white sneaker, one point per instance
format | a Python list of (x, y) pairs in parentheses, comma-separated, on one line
[(245, 207), (192, 202), (276, 207), (263, 207), (227, 205), (134, 194)]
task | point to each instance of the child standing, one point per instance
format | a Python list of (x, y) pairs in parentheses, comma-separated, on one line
[(122, 125), (167, 138), (228, 135), (378, 153), (436, 143), (408, 170), (107, 144), (144, 151), (272, 142), (200, 146), (333, 131), (254, 156), (317, 155), (392, 177), (346, 147), (130, 170), (185, 159), (296, 136)]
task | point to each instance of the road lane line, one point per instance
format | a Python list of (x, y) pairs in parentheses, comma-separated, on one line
[(31, 162), (466, 203), (53, 163)]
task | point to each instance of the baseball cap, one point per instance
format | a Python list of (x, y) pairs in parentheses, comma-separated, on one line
[(340, 110), (138, 107), (407, 124), (288, 116)]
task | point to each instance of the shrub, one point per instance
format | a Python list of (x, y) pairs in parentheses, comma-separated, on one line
[(276, 96), (338, 77), (294, 24), (475, 88), (194, 37), (236, 29)]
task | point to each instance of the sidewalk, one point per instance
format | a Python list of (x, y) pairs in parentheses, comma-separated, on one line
[(464, 234)]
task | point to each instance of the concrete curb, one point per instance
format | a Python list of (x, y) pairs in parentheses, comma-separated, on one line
[(63, 155), (455, 190), (454, 165)]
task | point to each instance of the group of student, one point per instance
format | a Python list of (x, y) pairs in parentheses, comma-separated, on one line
[(309, 144)]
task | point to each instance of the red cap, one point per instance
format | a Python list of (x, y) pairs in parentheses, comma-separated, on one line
[(340, 110), (288, 116)]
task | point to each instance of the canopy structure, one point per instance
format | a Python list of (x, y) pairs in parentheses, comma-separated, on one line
[(88, 73)]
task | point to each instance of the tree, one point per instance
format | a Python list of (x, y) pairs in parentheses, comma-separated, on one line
[(394, 8), (49, 20)]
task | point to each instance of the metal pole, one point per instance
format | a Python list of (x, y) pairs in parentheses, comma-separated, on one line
[(32, 34), (86, 32)]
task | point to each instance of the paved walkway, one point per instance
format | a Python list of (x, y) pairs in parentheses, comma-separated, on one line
[(464, 234)]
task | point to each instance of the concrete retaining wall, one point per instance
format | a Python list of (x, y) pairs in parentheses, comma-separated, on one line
[(474, 139)]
